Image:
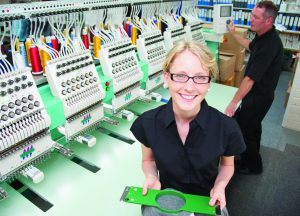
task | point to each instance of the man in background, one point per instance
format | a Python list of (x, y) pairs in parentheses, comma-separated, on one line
[(256, 91)]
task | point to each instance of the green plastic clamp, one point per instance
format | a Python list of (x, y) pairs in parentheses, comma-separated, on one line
[(192, 203)]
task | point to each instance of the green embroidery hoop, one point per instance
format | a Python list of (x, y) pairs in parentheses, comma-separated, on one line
[(192, 203)]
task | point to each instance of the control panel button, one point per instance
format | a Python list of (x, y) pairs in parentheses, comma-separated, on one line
[(24, 109), (4, 117), (3, 93), (11, 105), (4, 108), (17, 88), (24, 100), (37, 104), (10, 91), (30, 97), (10, 82), (3, 84), (18, 111), (30, 106), (18, 102), (24, 86), (11, 114)]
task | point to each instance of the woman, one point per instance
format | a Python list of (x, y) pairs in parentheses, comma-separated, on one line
[(186, 144)]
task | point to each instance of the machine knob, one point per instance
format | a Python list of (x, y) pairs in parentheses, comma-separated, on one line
[(4, 117), (30, 106), (3, 84), (10, 82), (18, 102), (18, 111), (24, 109), (4, 108), (11, 105), (37, 104), (24, 100), (30, 97), (3, 93), (24, 86), (17, 88), (10, 91), (11, 114)]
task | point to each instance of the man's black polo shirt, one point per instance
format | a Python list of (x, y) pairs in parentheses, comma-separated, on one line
[(265, 63), (193, 167)]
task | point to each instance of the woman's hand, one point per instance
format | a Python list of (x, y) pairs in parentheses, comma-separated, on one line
[(217, 197), (151, 182)]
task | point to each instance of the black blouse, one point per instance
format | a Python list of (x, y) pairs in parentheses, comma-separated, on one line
[(193, 167)]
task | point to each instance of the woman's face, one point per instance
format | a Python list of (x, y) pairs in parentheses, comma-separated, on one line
[(186, 96)]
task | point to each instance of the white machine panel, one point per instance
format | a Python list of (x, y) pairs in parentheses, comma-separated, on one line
[(174, 34), (23, 121), (193, 32), (151, 49), (119, 61), (75, 81)]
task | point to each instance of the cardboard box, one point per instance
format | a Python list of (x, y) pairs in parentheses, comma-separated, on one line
[(239, 57), (239, 76), (227, 65), (230, 43), (229, 82)]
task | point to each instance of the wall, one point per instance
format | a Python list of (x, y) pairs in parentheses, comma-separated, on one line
[(291, 117)]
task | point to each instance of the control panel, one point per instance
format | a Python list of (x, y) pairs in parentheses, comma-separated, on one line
[(75, 81), (24, 123), (151, 49), (174, 34), (193, 31), (119, 61)]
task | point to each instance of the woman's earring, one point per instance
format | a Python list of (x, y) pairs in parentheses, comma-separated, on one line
[(208, 90), (165, 85)]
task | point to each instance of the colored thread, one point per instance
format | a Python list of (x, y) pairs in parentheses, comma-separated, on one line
[(43, 39), (23, 53), (35, 60), (129, 30), (48, 41), (54, 42), (85, 39), (158, 23), (126, 27), (97, 46), (17, 45), (134, 35), (45, 57), (28, 42)]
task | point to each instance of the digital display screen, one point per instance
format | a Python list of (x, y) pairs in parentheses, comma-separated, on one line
[(225, 11)]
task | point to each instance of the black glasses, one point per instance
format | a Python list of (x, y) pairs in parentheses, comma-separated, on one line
[(182, 78)]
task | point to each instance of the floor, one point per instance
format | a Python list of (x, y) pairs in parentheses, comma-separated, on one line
[(276, 190)]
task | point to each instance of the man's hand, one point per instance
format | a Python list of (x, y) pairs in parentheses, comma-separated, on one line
[(151, 182), (231, 27), (231, 108)]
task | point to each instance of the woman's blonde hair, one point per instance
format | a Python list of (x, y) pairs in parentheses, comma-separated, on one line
[(205, 56)]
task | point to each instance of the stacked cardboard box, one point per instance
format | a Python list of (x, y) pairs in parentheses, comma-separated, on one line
[(288, 92), (230, 46), (227, 65)]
